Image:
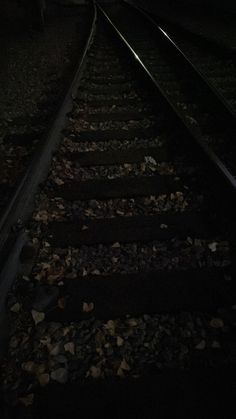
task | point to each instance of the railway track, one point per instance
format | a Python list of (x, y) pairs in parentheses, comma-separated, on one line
[(127, 283), (202, 109), (33, 98), (214, 26), (217, 65), (215, 62)]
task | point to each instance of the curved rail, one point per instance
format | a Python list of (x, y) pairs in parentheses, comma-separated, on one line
[(214, 42), (204, 79), (214, 159), (19, 206)]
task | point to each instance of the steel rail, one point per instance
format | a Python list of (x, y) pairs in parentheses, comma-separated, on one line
[(200, 74), (212, 156), (21, 202), (216, 43)]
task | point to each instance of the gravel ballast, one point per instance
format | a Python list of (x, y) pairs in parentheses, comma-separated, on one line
[(35, 72), (134, 344)]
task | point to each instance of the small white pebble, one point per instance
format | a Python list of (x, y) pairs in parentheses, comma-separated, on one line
[(16, 308), (70, 347), (88, 307), (60, 375), (212, 247), (95, 372), (162, 226), (217, 323), (201, 345), (119, 341), (216, 345), (37, 316), (43, 379)]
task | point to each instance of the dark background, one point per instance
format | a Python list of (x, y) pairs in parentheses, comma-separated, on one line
[(226, 5)]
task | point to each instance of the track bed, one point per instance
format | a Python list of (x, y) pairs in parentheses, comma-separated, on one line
[(126, 296)]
